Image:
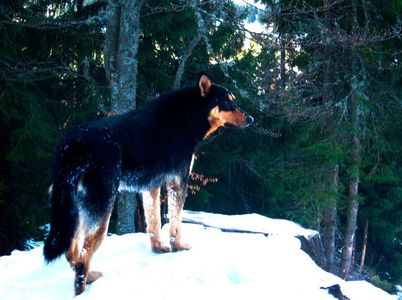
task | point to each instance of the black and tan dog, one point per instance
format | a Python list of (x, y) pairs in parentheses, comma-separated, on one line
[(140, 150)]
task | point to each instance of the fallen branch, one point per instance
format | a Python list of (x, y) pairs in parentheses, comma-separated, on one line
[(230, 230)]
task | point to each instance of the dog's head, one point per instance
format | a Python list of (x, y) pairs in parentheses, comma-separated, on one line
[(223, 110)]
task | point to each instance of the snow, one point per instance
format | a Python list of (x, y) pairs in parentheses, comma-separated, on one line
[(250, 222), (220, 265)]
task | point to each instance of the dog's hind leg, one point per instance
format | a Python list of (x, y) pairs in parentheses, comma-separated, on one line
[(83, 247), (177, 193), (99, 185), (151, 200)]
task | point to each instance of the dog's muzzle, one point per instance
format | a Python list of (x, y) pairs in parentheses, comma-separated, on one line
[(249, 120)]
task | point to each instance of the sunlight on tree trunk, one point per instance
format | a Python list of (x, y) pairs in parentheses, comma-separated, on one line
[(364, 246)]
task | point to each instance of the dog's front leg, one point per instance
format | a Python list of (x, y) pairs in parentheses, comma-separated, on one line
[(151, 200), (177, 193)]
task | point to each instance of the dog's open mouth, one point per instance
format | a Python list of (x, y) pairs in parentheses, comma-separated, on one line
[(248, 121)]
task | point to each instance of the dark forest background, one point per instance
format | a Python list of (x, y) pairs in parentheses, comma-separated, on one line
[(323, 82)]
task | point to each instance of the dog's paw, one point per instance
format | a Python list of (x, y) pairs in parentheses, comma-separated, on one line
[(179, 246), (157, 246), (160, 248), (93, 276)]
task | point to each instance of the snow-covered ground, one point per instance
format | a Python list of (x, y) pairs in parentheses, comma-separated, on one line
[(220, 265)]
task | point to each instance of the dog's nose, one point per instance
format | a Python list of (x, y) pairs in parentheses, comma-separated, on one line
[(249, 120)]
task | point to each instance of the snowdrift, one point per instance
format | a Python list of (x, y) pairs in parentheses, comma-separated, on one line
[(221, 265)]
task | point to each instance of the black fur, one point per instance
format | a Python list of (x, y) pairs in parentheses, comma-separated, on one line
[(141, 149)]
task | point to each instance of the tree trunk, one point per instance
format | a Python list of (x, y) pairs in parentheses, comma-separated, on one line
[(333, 169), (183, 60), (353, 190), (139, 217), (364, 246), (202, 31), (121, 46), (80, 5), (330, 220), (126, 60), (352, 261), (353, 202), (125, 212), (111, 46), (282, 44), (349, 234), (283, 61)]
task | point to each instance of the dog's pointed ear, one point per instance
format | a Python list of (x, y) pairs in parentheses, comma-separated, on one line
[(204, 83)]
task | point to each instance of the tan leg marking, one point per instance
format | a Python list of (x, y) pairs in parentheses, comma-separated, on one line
[(83, 246), (177, 193), (151, 200)]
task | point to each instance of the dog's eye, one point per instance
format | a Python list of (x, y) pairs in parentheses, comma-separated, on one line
[(229, 105)]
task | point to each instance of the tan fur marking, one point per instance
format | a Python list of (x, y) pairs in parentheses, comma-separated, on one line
[(236, 118), (72, 253), (215, 121), (218, 119), (79, 256), (231, 97), (177, 192), (153, 219)]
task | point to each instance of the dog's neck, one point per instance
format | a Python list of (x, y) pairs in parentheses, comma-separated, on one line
[(187, 111)]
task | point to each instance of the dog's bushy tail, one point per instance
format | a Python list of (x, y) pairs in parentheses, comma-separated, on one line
[(64, 220)]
